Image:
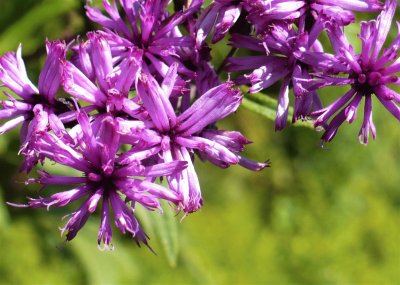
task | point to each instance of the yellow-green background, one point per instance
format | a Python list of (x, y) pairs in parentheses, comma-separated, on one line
[(318, 216)]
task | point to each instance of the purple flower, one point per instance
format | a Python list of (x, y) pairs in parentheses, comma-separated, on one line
[(37, 110), (172, 137), (97, 80), (291, 52), (149, 27), (282, 48), (104, 180), (368, 73)]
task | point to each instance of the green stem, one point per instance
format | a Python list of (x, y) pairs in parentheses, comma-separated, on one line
[(265, 106)]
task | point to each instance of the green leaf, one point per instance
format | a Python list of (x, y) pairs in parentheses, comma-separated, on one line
[(26, 27), (3, 211), (266, 106), (166, 229), (265, 111), (263, 99)]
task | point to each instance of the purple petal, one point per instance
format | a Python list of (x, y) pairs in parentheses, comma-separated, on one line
[(13, 74), (368, 124), (50, 76), (383, 26), (47, 179), (157, 170), (253, 165), (123, 216), (60, 199), (108, 140), (79, 218), (234, 141), (211, 148), (212, 106), (78, 85), (105, 233), (283, 105), (156, 102), (227, 17), (11, 124)]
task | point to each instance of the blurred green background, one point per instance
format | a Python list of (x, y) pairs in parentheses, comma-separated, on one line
[(318, 216)]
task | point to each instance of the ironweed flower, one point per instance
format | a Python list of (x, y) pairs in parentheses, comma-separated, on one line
[(148, 86), (175, 137), (37, 109), (369, 73), (97, 80), (281, 60), (104, 180), (149, 27)]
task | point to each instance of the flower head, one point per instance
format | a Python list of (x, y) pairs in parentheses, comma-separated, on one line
[(104, 180), (37, 109), (150, 28), (280, 60), (369, 73), (96, 79), (176, 137)]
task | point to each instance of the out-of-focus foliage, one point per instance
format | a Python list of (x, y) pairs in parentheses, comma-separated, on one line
[(319, 216)]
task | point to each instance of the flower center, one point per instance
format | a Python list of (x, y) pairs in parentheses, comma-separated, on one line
[(102, 180), (366, 81)]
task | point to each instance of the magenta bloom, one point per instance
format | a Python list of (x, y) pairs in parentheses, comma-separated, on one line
[(148, 27), (104, 180), (175, 137), (144, 81), (37, 110), (99, 81), (280, 59), (369, 73)]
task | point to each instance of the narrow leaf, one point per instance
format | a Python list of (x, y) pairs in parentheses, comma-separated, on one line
[(266, 106), (166, 229), (265, 111), (163, 227)]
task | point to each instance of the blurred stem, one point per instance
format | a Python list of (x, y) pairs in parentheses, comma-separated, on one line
[(262, 99), (265, 105), (259, 109)]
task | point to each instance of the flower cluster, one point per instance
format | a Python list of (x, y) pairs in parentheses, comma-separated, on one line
[(125, 110), (134, 102), (286, 39)]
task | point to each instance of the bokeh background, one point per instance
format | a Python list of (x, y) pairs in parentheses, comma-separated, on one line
[(319, 216)]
